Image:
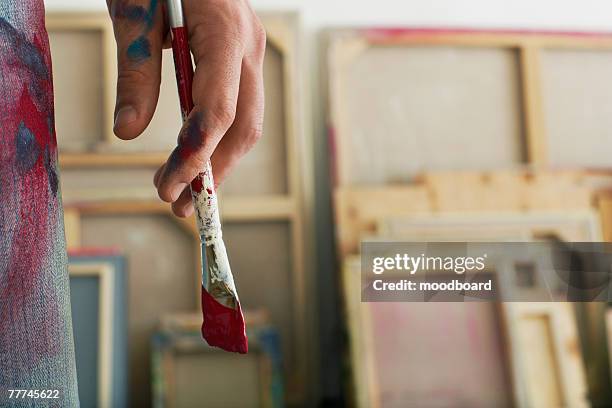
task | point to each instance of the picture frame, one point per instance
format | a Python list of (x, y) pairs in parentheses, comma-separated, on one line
[(550, 362), (179, 356), (98, 282)]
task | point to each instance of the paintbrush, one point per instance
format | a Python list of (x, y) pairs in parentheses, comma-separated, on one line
[(223, 323)]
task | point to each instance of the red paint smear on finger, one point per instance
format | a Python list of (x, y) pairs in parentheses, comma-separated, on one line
[(223, 326)]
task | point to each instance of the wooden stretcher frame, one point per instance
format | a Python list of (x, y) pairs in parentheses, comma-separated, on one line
[(469, 195), (346, 44), (523, 226), (364, 383), (575, 226), (104, 273), (166, 346), (282, 34), (97, 23), (565, 341), (358, 209), (565, 351), (232, 210)]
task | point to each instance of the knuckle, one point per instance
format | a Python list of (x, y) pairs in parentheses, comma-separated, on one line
[(225, 39), (196, 164), (223, 115), (259, 38), (253, 136), (134, 75)]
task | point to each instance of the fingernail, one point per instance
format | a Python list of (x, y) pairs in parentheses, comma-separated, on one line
[(177, 190), (125, 116)]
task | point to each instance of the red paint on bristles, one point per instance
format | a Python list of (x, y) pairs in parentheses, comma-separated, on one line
[(223, 326)]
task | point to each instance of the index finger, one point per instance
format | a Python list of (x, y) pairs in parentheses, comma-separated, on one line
[(215, 93)]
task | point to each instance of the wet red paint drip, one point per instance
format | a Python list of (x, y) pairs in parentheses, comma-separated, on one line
[(223, 326)]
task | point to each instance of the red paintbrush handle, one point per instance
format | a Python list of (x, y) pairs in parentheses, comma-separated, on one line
[(183, 68)]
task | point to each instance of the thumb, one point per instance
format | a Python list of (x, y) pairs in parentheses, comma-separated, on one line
[(138, 30)]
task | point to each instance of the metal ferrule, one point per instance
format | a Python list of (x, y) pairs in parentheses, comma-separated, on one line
[(175, 13)]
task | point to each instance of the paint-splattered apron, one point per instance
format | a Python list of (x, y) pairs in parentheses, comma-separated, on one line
[(36, 345)]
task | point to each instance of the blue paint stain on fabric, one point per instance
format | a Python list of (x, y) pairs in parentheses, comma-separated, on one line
[(27, 147), (140, 49), (51, 125), (29, 55), (51, 173)]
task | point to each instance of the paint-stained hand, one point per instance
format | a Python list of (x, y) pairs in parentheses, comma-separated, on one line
[(228, 43)]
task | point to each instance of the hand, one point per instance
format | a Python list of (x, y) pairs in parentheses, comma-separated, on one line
[(228, 44)]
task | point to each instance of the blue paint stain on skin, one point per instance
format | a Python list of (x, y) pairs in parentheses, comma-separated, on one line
[(140, 49), (134, 13), (137, 14), (151, 14), (27, 147), (189, 140)]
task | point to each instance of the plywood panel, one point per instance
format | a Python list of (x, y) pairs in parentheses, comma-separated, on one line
[(260, 256), (213, 379), (407, 109), (78, 88), (161, 264), (577, 94)]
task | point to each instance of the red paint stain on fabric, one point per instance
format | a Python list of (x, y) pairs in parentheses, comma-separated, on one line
[(223, 326), (36, 212)]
